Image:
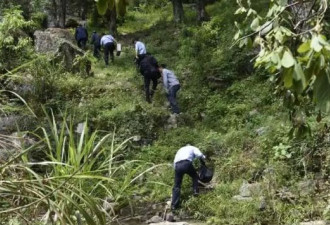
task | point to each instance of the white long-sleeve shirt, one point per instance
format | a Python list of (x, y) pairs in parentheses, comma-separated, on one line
[(188, 152), (107, 39), (140, 48)]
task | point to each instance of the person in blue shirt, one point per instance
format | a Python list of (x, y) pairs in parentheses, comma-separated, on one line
[(171, 86), (140, 51), (183, 165), (96, 42), (108, 43), (81, 36)]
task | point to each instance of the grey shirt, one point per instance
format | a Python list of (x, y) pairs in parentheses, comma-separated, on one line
[(169, 79)]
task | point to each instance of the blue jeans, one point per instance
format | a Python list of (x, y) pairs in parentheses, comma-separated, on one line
[(171, 96)]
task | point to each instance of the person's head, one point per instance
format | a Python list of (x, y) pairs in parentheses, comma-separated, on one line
[(94, 32), (102, 34), (135, 40), (161, 67)]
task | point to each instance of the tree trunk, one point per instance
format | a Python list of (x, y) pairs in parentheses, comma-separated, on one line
[(201, 12), (84, 4), (113, 21), (62, 13), (53, 10), (178, 11)]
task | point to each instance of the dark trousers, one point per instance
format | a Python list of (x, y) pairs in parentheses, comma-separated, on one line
[(108, 49), (82, 43), (97, 49), (147, 81), (171, 96), (182, 168)]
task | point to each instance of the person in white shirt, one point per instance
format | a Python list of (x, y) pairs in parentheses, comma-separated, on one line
[(140, 51), (108, 43), (183, 165)]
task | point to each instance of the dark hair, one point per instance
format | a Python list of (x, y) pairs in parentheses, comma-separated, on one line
[(163, 65), (134, 40)]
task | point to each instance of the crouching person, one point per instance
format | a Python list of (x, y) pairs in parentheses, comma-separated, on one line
[(183, 165)]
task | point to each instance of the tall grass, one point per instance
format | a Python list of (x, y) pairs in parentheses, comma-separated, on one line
[(79, 171)]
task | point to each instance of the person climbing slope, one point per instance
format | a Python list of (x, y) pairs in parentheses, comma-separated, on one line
[(81, 36), (96, 39), (171, 85), (150, 72), (140, 50), (183, 165), (108, 43)]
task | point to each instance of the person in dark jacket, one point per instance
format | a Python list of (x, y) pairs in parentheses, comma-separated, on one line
[(150, 72), (96, 42), (81, 36)]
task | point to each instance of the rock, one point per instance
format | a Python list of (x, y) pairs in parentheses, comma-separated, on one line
[(262, 203), (172, 122), (253, 112), (60, 43), (261, 131), (80, 128), (11, 145), (169, 217), (249, 190), (306, 187), (155, 219), (241, 198), (50, 40), (318, 222)]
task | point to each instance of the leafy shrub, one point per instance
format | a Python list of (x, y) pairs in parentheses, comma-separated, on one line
[(15, 45)]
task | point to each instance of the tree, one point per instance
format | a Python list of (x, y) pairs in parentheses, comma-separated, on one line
[(15, 45), (178, 11), (293, 47), (201, 12), (112, 8)]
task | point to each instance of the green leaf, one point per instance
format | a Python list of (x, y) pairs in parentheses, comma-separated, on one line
[(322, 91), (240, 10), (287, 59), (266, 27), (315, 44), (304, 47), (288, 77), (255, 24), (279, 36)]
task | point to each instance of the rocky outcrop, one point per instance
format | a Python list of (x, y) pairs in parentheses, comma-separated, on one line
[(60, 44)]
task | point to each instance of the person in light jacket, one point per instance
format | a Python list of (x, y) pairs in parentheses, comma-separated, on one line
[(183, 165), (171, 85), (108, 43)]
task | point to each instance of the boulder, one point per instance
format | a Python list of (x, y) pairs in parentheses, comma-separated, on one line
[(306, 187), (60, 44), (50, 40), (155, 220), (249, 190)]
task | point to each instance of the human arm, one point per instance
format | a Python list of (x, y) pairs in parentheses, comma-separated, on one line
[(165, 82), (198, 153)]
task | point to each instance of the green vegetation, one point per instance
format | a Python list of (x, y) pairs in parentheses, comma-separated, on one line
[(124, 148)]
